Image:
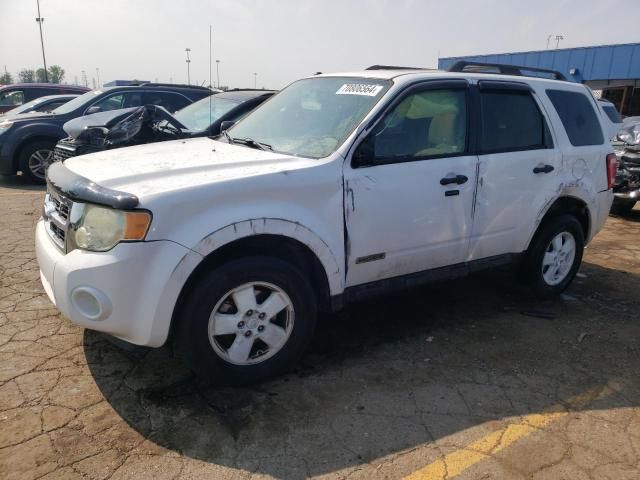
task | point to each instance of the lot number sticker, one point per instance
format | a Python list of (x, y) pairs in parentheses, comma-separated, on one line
[(359, 89)]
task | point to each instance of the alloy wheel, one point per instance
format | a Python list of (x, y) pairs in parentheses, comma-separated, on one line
[(558, 258), (251, 323)]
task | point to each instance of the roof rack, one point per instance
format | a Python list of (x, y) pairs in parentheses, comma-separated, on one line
[(182, 85), (481, 67), (393, 67)]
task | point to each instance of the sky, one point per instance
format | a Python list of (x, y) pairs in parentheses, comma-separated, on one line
[(283, 40)]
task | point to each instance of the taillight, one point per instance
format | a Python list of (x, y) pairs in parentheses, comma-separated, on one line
[(612, 168)]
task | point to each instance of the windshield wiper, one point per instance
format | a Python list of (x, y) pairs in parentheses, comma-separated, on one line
[(250, 142)]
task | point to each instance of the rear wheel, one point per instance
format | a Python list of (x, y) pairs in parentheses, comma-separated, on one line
[(34, 160), (247, 320), (622, 206), (554, 255)]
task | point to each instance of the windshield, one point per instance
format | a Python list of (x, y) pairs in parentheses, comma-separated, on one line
[(25, 107), (200, 115), (77, 102), (312, 117)]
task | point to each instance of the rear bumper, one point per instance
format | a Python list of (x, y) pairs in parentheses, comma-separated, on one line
[(601, 212), (122, 292), (629, 195)]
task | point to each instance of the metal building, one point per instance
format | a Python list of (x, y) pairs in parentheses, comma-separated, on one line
[(611, 70)]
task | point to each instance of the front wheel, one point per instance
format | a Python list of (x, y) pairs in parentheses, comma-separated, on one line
[(35, 159), (554, 255), (247, 320)]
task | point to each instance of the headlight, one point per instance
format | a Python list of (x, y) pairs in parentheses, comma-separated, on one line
[(100, 228), (4, 126)]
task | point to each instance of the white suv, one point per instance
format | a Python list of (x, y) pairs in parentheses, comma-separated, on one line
[(339, 188)]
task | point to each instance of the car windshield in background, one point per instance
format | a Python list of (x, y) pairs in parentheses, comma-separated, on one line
[(200, 115), (77, 102), (24, 107), (312, 117)]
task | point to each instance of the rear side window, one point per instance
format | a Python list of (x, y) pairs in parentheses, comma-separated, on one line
[(511, 121), (171, 101), (578, 117)]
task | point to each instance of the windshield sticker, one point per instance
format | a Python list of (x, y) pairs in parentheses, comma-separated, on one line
[(359, 89)]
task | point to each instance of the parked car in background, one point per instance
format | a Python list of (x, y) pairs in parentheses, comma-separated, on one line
[(626, 145), (43, 104), (16, 94), (27, 141), (339, 188), (613, 120), (151, 123)]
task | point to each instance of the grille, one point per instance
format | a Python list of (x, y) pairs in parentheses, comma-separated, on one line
[(56, 215), (63, 151)]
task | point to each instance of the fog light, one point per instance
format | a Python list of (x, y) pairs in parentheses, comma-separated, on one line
[(91, 303)]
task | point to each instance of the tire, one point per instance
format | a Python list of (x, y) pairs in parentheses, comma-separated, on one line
[(202, 339), (539, 269), (34, 154), (622, 206)]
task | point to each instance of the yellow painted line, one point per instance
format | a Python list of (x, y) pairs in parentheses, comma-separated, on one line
[(454, 463)]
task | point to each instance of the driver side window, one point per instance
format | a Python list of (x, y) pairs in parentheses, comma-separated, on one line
[(426, 124)]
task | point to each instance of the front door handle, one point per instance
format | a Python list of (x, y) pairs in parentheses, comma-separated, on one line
[(543, 169), (457, 179)]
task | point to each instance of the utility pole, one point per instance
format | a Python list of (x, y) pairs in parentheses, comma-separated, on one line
[(84, 79), (40, 19), (558, 38), (218, 72), (188, 69), (98, 75), (255, 80)]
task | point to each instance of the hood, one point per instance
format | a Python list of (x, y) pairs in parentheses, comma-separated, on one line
[(157, 168), (24, 117), (118, 126), (76, 126)]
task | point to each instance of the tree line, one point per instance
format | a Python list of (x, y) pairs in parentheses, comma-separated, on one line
[(55, 74)]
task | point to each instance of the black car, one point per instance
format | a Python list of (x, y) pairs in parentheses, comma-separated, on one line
[(133, 126), (16, 94), (45, 104), (27, 141)]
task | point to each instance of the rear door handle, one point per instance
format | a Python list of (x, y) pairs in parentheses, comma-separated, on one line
[(543, 169), (457, 179)]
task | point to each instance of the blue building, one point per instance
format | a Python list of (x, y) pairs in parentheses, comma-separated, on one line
[(613, 71)]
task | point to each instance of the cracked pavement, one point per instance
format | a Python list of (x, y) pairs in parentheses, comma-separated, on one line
[(467, 379)]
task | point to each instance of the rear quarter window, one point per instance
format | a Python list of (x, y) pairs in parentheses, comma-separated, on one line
[(578, 117), (612, 113)]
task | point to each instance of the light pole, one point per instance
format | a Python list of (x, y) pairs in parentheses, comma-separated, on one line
[(255, 80), (558, 38), (218, 72), (98, 75), (40, 19), (188, 68), (548, 40), (84, 78)]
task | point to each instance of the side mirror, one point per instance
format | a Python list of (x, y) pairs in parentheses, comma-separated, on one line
[(91, 110), (226, 125), (365, 153)]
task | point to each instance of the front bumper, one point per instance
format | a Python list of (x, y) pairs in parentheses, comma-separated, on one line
[(122, 292)]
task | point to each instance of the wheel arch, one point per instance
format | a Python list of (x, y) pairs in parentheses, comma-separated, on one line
[(25, 142), (279, 238), (568, 204)]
